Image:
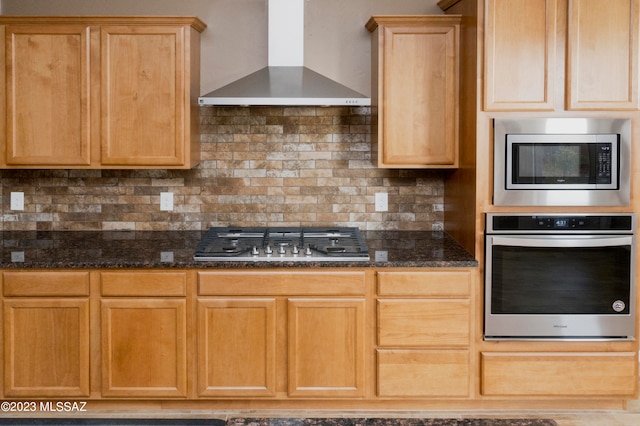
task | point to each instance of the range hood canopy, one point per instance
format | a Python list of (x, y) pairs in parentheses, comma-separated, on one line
[(285, 81)]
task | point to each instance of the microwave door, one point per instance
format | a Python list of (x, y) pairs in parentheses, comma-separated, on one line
[(561, 162)]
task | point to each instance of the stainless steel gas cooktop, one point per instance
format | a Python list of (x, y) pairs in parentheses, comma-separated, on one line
[(282, 244)]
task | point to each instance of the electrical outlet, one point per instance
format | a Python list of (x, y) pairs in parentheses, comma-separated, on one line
[(166, 256), (382, 256), (17, 256), (382, 202), (166, 201), (17, 201)]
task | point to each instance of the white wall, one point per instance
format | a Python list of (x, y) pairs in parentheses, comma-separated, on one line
[(235, 41)]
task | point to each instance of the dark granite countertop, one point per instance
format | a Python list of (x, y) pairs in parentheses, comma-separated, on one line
[(175, 249)]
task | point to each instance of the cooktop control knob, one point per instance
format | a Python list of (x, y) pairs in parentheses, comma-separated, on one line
[(268, 250), (282, 250), (307, 252), (255, 251), (295, 250)]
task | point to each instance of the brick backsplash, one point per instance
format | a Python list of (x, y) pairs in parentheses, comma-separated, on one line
[(268, 166)]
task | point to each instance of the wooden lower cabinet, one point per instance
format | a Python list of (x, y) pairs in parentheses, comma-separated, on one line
[(46, 348), (278, 336), (424, 334), (556, 374), (326, 347), (144, 334), (277, 344), (144, 348), (237, 347), (423, 372), (46, 334)]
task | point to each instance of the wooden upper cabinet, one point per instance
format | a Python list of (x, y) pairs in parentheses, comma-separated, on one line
[(525, 56), (47, 95), (144, 98), (100, 92), (519, 54), (602, 55), (415, 64)]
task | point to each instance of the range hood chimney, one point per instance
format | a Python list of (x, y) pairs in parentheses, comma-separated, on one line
[(286, 81)]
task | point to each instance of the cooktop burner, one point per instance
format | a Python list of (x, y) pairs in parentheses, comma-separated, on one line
[(282, 244)]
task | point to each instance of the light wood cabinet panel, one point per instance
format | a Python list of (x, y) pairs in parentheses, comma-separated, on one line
[(415, 91), (559, 374), (423, 322), (278, 283), (599, 76), (432, 283), (146, 283), (423, 373), (45, 284), (237, 347), (144, 348), (525, 55), (326, 347), (46, 347), (520, 60), (423, 325), (100, 92), (47, 95), (144, 99)]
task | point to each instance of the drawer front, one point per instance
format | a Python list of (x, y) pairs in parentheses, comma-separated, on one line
[(281, 283), (47, 284), (169, 284), (423, 373), (559, 374), (410, 323), (428, 284)]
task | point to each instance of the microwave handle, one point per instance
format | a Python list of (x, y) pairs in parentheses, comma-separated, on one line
[(560, 241)]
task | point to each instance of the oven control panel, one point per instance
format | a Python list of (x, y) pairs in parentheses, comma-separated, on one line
[(623, 223)]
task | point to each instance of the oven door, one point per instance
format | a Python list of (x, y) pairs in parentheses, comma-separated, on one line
[(559, 287)]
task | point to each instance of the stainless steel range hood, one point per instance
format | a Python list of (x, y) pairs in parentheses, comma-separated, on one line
[(286, 81)]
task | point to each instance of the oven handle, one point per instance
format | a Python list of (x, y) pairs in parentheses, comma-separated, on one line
[(560, 241)]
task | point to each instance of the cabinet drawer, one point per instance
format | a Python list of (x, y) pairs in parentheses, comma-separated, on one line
[(405, 322), (262, 283), (144, 284), (428, 284), (559, 374), (25, 284), (423, 373)]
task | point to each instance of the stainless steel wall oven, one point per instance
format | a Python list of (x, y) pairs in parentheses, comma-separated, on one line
[(560, 276)]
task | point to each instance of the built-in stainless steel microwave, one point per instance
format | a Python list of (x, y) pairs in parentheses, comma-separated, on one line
[(562, 162)]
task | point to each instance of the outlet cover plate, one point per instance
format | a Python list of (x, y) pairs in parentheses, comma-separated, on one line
[(382, 202), (17, 201), (166, 201)]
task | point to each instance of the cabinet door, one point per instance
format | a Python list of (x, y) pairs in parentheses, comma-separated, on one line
[(46, 347), (519, 55), (237, 347), (326, 347), (144, 95), (47, 95), (602, 53), (417, 121), (144, 348)]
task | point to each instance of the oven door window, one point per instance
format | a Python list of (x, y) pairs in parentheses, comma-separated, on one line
[(560, 280)]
